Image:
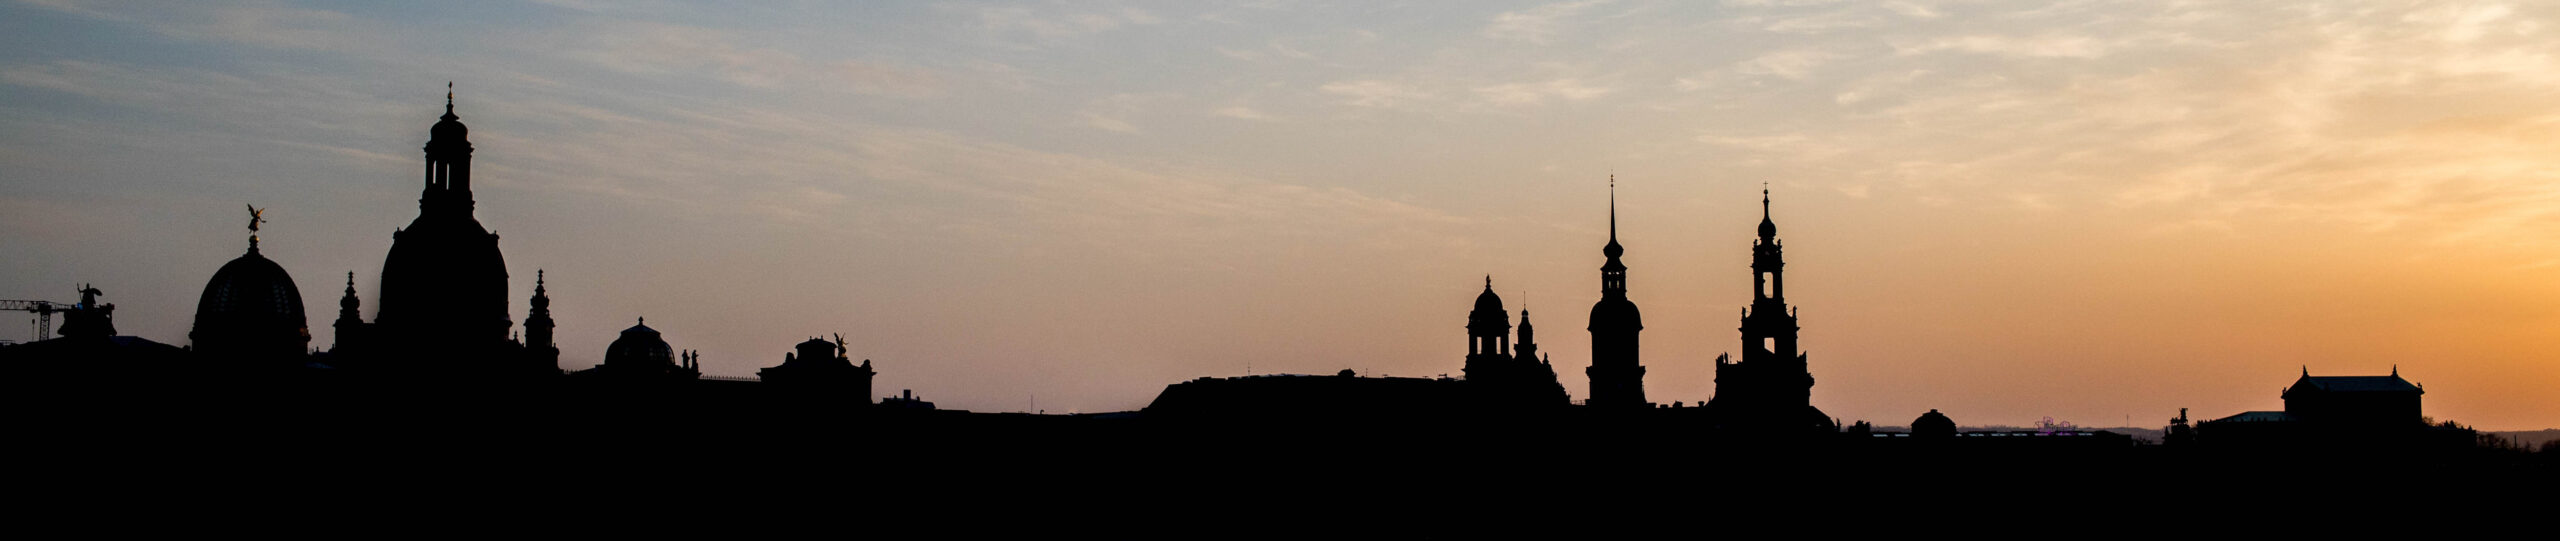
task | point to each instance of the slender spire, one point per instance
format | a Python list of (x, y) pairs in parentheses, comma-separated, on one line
[(1613, 250), (1768, 228)]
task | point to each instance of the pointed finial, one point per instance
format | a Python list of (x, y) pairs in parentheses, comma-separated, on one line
[(2395, 369), (1488, 282), (1764, 199), (351, 280), (1613, 207), (448, 96), (537, 277)]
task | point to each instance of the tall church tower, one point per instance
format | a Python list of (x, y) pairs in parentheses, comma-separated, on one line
[(538, 345), (1771, 389), (443, 305), (1488, 337), (1617, 375), (351, 326)]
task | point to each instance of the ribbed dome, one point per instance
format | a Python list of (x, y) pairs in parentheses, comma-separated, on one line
[(251, 307), (251, 286), (639, 346)]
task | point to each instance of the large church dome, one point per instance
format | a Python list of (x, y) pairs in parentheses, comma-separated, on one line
[(251, 308), (444, 285)]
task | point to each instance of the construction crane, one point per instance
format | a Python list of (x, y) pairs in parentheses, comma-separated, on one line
[(44, 312)]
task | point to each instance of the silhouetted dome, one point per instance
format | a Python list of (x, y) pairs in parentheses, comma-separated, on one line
[(444, 280), (1617, 313), (1768, 228), (1613, 250), (251, 307), (1933, 424), (448, 128), (1489, 302), (639, 346)]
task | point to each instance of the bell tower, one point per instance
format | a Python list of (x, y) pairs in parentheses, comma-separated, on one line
[(1617, 373), (1770, 389)]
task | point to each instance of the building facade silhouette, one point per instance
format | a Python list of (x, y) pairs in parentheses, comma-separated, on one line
[(819, 370), (1499, 373)]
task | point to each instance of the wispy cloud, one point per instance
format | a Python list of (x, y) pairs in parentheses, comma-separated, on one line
[(264, 24), (1541, 92), (1376, 93), (1539, 24)]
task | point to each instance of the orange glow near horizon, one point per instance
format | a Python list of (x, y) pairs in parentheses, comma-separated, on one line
[(2095, 213)]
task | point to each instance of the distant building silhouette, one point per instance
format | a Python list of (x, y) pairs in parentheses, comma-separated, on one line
[(352, 331), (2354, 400), (540, 349), (1499, 375), (88, 351), (1339, 398), (641, 355), (819, 369), (1771, 390), (1617, 372), (1933, 425), (2330, 409)]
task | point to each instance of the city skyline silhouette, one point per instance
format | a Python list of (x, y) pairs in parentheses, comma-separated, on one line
[(1108, 253)]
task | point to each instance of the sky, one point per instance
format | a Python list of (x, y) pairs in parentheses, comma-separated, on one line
[(2094, 212)]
